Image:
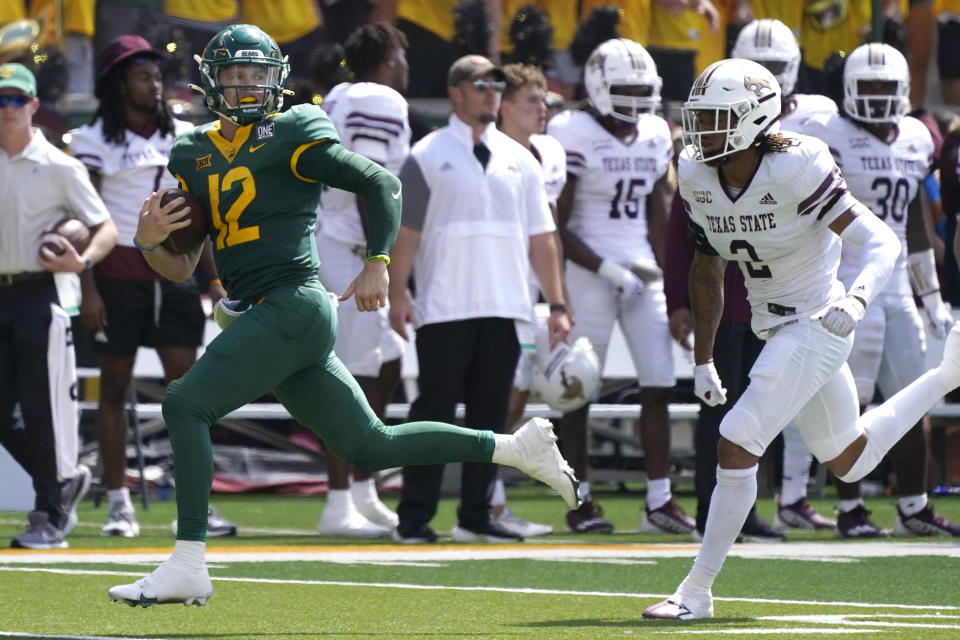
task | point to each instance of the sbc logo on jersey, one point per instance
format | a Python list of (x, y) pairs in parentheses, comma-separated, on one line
[(703, 197)]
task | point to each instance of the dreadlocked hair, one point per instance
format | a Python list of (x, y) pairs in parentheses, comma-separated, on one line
[(370, 45), (532, 37), (111, 108), (601, 25), (776, 143), (519, 76)]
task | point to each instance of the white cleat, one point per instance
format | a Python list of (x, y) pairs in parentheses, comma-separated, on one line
[(950, 365), (168, 584), (539, 457), (678, 607), (348, 523), (368, 504), (122, 522)]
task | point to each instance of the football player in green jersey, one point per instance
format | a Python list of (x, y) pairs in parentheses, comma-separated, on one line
[(258, 173)]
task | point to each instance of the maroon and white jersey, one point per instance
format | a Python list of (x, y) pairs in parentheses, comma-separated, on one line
[(775, 228), (553, 159), (371, 119), (804, 106), (614, 179), (130, 171), (885, 176)]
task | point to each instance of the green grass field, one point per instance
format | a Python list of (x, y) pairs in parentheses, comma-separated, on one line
[(278, 579)]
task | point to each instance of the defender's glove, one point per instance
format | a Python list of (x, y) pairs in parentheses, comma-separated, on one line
[(843, 316), (623, 279), (707, 385), (938, 314)]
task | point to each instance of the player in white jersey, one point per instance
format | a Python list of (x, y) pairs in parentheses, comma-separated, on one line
[(125, 303), (885, 156), (779, 207), (371, 117), (772, 44), (613, 213), (523, 117)]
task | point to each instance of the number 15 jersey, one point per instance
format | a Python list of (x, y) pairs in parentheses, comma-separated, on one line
[(614, 179), (775, 228)]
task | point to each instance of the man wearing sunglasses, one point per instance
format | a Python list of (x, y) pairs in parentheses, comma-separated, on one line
[(39, 186), (475, 218)]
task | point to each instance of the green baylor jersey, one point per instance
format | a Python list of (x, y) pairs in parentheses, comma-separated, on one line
[(256, 198)]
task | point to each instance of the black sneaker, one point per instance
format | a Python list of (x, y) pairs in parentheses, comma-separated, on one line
[(488, 531), (856, 523), (421, 535), (756, 529)]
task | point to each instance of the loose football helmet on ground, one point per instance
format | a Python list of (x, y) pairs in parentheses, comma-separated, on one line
[(876, 84), (738, 99), (236, 46), (772, 44), (615, 65), (567, 377)]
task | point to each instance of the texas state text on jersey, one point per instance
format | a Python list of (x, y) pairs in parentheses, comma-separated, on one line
[(776, 228)]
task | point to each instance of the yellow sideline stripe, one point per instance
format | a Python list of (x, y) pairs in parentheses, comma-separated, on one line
[(360, 548)]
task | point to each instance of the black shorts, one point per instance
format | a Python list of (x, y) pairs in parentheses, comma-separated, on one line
[(948, 48), (161, 314)]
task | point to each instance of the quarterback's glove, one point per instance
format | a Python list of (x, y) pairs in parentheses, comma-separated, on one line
[(843, 316), (623, 279), (707, 385), (938, 314)]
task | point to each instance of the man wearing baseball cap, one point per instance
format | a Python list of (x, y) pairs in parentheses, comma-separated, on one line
[(39, 186), (475, 219)]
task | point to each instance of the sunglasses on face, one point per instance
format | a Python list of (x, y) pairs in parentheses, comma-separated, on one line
[(482, 85), (17, 100)]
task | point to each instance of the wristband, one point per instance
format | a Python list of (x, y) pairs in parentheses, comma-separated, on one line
[(559, 306), (142, 249), (215, 281), (381, 256)]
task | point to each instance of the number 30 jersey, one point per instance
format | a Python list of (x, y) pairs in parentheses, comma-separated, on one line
[(883, 176), (614, 179), (775, 228)]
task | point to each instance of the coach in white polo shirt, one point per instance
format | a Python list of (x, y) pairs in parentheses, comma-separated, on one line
[(39, 185), (475, 217)]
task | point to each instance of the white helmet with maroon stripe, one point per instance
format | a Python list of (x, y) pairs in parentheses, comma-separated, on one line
[(876, 84), (611, 68), (772, 44)]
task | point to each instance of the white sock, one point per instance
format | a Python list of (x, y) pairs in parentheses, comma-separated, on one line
[(499, 496), (188, 553), (119, 496), (362, 491), (912, 505), (886, 424), (846, 506), (658, 493), (735, 493), (585, 491), (339, 499), (796, 466)]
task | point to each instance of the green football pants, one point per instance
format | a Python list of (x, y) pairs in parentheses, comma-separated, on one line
[(284, 345)]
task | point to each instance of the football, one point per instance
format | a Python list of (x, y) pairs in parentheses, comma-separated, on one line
[(190, 237), (73, 230)]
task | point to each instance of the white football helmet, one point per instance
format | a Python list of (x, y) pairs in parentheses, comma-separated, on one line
[(616, 64), (876, 62), (567, 377), (772, 44), (738, 99)]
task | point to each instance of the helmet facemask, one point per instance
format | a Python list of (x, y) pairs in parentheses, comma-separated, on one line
[(628, 102), (876, 84)]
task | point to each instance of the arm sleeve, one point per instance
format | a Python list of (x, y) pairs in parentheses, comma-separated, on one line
[(335, 166), (881, 248), (676, 273)]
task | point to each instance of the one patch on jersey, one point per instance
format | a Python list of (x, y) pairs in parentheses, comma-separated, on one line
[(203, 162), (768, 199), (265, 131)]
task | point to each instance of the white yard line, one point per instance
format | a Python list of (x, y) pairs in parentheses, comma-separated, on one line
[(532, 591)]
